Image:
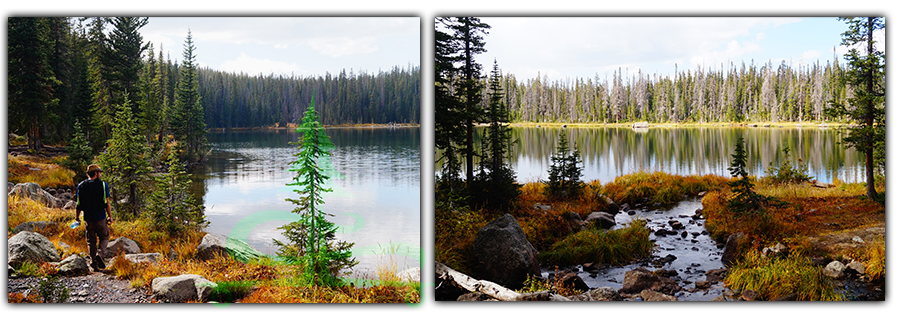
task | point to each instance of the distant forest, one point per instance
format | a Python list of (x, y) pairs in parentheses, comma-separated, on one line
[(240, 100), (776, 93)]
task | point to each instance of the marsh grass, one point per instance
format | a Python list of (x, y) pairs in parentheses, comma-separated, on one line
[(615, 247), (875, 259), (777, 277)]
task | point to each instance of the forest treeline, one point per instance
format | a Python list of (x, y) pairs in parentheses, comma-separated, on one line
[(737, 93), (241, 100), (64, 70)]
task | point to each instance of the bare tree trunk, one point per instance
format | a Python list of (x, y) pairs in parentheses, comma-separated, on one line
[(491, 289)]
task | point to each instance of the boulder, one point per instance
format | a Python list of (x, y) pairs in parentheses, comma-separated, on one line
[(502, 253), (650, 295), (121, 245), (69, 205), (182, 288), (602, 220), (749, 295), (599, 294), (573, 281), (42, 227), (834, 269), (539, 206), (856, 267), (74, 265), (151, 258), (774, 251), (641, 279), (33, 190), (611, 206), (715, 275), (731, 254), (217, 244), (410, 275), (30, 246), (9, 186)]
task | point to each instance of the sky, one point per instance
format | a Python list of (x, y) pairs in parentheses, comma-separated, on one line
[(562, 47), (302, 46)]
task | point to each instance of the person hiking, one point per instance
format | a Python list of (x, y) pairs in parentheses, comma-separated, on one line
[(92, 198)]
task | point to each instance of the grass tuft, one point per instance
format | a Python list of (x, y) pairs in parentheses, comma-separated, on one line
[(777, 277), (614, 247)]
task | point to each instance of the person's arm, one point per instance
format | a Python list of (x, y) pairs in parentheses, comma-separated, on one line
[(108, 213)]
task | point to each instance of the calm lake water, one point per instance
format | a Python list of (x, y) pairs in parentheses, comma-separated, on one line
[(611, 152), (374, 174)]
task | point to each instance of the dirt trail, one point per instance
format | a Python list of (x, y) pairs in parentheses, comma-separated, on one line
[(93, 288)]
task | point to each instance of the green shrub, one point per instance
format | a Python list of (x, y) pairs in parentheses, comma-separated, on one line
[(614, 247)]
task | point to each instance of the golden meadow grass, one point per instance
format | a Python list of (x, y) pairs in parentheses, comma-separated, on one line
[(774, 278), (40, 171)]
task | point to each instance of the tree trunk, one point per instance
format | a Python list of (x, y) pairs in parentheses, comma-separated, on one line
[(491, 289)]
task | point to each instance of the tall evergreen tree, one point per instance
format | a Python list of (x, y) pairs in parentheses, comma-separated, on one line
[(31, 82), (469, 38), (448, 121), (866, 107), (123, 60), (171, 205), (496, 182), (565, 173), (125, 160), (311, 240), (187, 119)]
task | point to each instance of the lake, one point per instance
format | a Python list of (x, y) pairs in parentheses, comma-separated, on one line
[(374, 175), (613, 151)]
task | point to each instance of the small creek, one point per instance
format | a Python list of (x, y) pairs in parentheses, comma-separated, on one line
[(694, 253)]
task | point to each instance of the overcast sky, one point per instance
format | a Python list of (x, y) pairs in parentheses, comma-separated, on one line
[(582, 47), (300, 46)]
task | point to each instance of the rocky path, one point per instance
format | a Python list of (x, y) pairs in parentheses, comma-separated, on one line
[(92, 288)]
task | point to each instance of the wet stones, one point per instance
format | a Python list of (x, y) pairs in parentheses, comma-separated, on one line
[(641, 279), (601, 220), (730, 255)]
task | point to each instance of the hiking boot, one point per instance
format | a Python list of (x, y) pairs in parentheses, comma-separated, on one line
[(100, 262), (94, 265)]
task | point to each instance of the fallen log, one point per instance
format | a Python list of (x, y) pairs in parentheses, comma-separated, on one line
[(494, 290)]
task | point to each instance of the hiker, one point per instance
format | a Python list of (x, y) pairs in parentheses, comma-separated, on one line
[(92, 198)]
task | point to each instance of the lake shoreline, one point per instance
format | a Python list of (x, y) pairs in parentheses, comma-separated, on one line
[(762, 124), (341, 126)]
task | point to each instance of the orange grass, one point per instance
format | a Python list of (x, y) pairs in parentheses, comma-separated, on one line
[(41, 171), (317, 294)]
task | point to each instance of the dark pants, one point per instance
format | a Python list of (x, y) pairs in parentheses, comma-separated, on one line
[(97, 231)]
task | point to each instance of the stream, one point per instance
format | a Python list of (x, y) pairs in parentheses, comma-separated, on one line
[(694, 254)]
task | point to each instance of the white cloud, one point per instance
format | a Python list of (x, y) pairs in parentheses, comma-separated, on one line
[(255, 66), (343, 46)]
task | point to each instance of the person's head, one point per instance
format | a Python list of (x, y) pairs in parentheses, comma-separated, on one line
[(93, 171)]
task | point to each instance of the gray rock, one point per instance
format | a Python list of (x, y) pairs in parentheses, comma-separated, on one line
[(599, 294), (572, 280), (42, 227), (641, 279), (650, 295), (856, 267), (502, 253), (73, 265), (182, 288), (541, 207), (217, 244), (611, 206), (834, 269), (30, 246), (151, 258), (731, 254), (749, 295), (777, 250), (410, 275), (601, 220), (69, 205), (676, 225), (122, 245), (33, 190), (715, 275), (9, 187)]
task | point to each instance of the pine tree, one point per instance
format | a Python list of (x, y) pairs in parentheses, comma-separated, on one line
[(565, 172), (469, 39), (311, 240), (187, 120), (171, 205), (80, 153), (31, 81), (745, 198), (125, 160), (867, 106), (448, 125), (495, 185)]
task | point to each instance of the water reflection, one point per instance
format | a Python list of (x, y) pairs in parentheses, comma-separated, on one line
[(374, 176), (611, 152)]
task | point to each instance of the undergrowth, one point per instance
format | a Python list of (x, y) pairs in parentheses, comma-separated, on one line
[(774, 278), (615, 247)]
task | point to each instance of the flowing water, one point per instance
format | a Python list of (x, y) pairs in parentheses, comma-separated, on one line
[(374, 174)]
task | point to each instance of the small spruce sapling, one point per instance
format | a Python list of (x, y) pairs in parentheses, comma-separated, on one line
[(744, 198), (311, 239), (565, 172)]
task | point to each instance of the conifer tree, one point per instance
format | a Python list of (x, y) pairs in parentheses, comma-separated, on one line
[(744, 196), (171, 205), (565, 172), (80, 153), (867, 106), (187, 120), (495, 185), (30, 78), (125, 160), (311, 239)]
